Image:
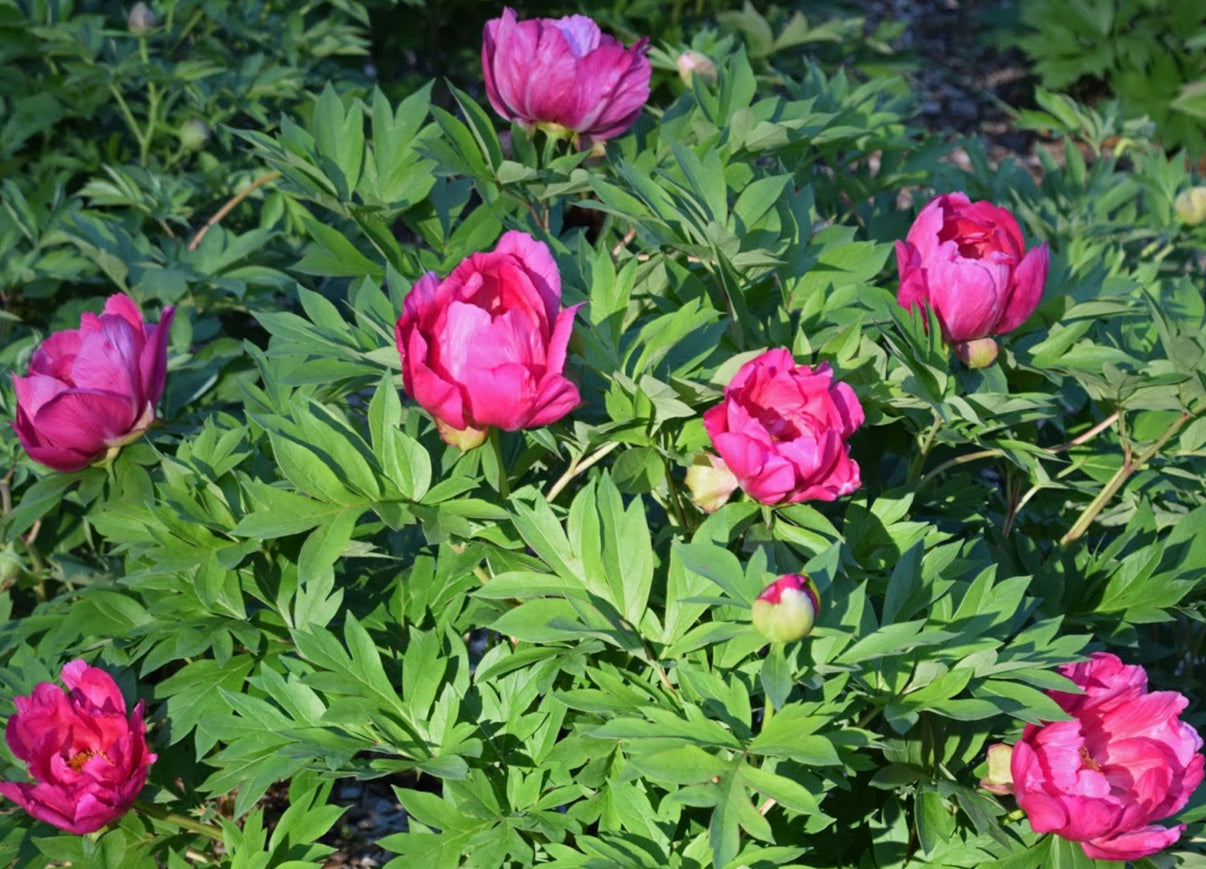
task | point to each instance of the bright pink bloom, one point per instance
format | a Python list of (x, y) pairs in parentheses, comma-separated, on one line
[(88, 758), (1124, 761), (93, 389), (564, 72), (782, 430), (486, 346), (967, 262)]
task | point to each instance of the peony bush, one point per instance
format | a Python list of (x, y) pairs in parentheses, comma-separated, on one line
[(581, 480)]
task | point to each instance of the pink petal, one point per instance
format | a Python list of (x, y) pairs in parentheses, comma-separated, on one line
[(555, 397), (563, 328), (85, 421), (502, 396), (108, 360), (1132, 844), (966, 295), (1029, 279), (93, 685), (152, 364), (536, 259), (123, 307)]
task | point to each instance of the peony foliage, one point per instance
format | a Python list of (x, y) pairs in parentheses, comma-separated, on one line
[(614, 499)]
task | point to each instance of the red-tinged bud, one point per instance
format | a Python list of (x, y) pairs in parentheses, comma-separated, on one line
[(693, 63), (786, 609)]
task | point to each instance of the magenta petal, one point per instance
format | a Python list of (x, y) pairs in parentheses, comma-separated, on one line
[(152, 364), (581, 33), (95, 686), (35, 391), (536, 259), (501, 396), (967, 295), (555, 397), (122, 306), (1132, 844), (563, 328), (108, 360), (85, 421), (613, 87), (1029, 278)]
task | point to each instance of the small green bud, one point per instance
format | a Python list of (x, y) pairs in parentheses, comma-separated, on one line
[(979, 353), (1190, 205), (193, 134), (786, 609)]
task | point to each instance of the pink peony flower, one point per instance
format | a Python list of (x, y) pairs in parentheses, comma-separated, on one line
[(782, 430), (92, 390), (486, 346), (564, 73), (87, 758), (967, 263), (1124, 761)]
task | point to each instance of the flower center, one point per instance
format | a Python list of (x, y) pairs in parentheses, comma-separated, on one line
[(78, 760), (1087, 761)]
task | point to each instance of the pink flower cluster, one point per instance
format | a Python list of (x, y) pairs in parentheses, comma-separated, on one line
[(87, 757), (1125, 760)]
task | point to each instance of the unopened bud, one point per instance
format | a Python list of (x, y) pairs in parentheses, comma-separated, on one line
[(10, 566), (141, 19), (1000, 774), (193, 134), (786, 609), (710, 481), (693, 63), (1190, 205), (979, 353)]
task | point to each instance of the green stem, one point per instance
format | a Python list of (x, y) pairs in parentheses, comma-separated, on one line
[(129, 117), (181, 821), (1129, 466), (576, 467), (958, 460)]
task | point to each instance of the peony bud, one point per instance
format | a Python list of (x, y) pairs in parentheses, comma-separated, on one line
[(193, 134), (485, 347), (1190, 205), (965, 264), (693, 63), (786, 609), (999, 779), (710, 481), (141, 19), (564, 75), (979, 353), (92, 390)]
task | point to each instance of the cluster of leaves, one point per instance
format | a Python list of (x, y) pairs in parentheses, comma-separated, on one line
[(1149, 54), (545, 647)]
